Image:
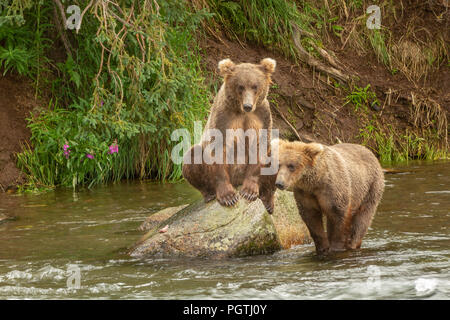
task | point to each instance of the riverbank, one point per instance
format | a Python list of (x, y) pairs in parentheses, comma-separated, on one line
[(336, 81), (16, 104), (389, 97)]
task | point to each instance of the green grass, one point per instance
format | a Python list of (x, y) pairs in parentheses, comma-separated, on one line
[(16, 58), (362, 98), (394, 147), (267, 22), (378, 42)]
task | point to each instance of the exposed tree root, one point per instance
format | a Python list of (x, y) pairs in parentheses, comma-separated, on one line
[(313, 62), (287, 122)]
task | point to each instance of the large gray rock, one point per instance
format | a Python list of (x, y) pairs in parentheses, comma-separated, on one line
[(211, 230)]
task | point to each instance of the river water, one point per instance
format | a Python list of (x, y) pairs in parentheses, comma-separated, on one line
[(61, 237)]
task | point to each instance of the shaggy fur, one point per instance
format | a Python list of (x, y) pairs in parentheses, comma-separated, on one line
[(241, 103), (344, 182)]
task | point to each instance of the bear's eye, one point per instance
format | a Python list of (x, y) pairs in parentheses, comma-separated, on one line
[(255, 87), (241, 88), (291, 167)]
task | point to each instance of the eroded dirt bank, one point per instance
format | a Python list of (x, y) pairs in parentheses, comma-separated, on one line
[(309, 105), (16, 103)]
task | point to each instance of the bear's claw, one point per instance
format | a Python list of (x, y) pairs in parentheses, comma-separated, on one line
[(250, 196), (269, 209), (250, 190), (228, 199), (268, 204)]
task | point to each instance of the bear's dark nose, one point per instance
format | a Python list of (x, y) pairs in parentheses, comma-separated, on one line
[(279, 185), (247, 107)]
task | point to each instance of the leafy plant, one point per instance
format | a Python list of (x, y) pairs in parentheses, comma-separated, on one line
[(15, 58), (361, 98), (127, 85)]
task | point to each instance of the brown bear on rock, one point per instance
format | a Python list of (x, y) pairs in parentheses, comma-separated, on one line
[(241, 106), (344, 182)]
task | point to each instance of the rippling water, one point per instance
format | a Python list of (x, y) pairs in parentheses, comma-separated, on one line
[(405, 255)]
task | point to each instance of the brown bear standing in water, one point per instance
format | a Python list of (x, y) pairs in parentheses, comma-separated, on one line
[(344, 182), (241, 104)]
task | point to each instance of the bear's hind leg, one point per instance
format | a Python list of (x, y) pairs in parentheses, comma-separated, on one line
[(338, 226), (363, 217), (360, 224)]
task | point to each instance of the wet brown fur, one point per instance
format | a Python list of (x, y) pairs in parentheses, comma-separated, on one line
[(243, 83), (344, 182)]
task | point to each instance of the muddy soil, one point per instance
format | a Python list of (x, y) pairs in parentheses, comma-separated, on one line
[(313, 105), (16, 103)]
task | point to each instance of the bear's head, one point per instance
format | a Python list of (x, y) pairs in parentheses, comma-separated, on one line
[(246, 84), (294, 159)]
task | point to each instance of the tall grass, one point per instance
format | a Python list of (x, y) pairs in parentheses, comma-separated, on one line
[(132, 80), (393, 146), (264, 22)]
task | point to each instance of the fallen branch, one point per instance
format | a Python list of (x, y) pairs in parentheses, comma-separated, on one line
[(305, 103), (313, 62), (325, 55), (287, 122)]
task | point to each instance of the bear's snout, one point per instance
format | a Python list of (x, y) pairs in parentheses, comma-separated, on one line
[(248, 107), (280, 185)]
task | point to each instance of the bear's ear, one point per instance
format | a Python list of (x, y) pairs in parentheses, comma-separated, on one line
[(226, 67), (313, 149), (268, 65)]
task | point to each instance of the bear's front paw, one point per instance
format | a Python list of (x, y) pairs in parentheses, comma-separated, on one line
[(227, 196), (269, 208), (268, 201), (268, 205), (250, 190)]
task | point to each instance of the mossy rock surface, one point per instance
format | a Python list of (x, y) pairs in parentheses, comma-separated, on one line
[(211, 230)]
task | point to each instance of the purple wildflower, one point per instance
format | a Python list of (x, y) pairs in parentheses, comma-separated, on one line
[(101, 103), (66, 150), (90, 156), (114, 148)]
